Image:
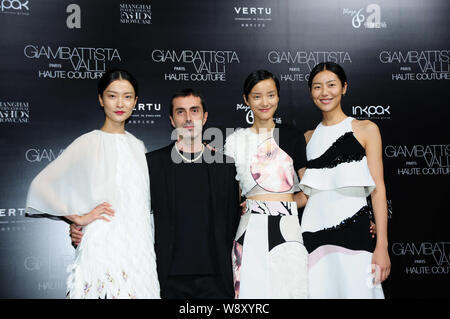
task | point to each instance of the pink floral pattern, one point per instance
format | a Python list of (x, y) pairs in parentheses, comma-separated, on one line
[(272, 168)]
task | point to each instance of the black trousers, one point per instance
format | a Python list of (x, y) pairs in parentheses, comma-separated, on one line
[(195, 287)]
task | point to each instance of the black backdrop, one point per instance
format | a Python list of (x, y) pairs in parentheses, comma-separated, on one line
[(395, 54)]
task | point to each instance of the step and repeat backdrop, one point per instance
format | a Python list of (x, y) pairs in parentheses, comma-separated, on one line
[(395, 53)]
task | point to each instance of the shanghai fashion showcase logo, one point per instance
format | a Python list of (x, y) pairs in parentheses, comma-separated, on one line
[(14, 112), (135, 13)]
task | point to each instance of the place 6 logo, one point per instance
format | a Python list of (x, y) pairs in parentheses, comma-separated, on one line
[(146, 113), (14, 112), (196, 65), (369, 17), (241, 107), (135, 13), (428, 258), (417, 65), (371, 112), (432, 159), (63, 62), (300, 63), (252, 16), (17, 7), (249, 118)]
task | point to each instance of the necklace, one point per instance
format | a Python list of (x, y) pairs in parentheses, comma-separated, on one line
[(188, 160)]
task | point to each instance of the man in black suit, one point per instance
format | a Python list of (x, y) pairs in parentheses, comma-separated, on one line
[(195, 202)]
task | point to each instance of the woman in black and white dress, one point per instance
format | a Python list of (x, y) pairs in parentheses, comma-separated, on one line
[(269, 259), (344, 167)]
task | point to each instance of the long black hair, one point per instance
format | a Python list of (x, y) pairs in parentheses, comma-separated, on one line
[(328, 66), (116, 74), (256, 77)]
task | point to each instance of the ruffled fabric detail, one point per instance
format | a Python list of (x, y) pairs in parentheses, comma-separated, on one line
[(354, 174), (342, 164)]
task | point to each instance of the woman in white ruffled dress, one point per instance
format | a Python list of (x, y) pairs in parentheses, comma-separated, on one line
[(101, 182)]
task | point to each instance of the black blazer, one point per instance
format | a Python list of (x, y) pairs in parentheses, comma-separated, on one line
[(224, 197)]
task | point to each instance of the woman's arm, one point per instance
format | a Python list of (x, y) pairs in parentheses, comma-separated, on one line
[(300, 197), (96, 213), (369, 135)]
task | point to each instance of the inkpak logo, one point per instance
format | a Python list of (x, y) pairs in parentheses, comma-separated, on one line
[(418, 65), (300, 63), (370, 18), (17, 7), (421, 159), (14, 112), (207, 66), (34, 155), (425, 258), (145, 113), (252, 17), (371, 112), (82, 63), (135, 13)]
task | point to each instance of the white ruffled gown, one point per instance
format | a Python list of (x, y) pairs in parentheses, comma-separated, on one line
[(115, 259)]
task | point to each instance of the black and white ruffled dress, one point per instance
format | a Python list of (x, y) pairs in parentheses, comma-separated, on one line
[(269, 258), (335, 221)]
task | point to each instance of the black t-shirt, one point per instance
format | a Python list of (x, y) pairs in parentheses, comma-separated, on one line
[(193, 232)]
